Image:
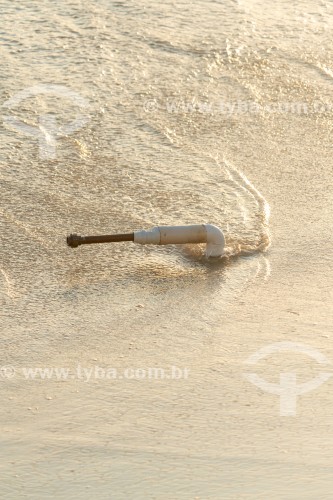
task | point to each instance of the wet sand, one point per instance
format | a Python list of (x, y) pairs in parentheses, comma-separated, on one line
[(161, 147)]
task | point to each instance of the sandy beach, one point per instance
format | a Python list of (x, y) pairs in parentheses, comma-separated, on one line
[(153, 372)]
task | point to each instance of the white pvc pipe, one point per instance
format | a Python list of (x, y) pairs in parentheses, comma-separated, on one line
[(197, 233)]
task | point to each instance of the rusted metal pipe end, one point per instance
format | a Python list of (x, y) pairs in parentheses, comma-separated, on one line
[(74, 240)]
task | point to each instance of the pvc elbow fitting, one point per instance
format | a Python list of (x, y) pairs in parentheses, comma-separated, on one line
[(215, 241), (196, 233)]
